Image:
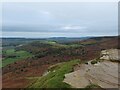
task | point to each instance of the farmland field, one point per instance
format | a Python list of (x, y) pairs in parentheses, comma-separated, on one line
[(12, 56)]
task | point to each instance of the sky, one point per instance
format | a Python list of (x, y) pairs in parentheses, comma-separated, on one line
[(59, 19)]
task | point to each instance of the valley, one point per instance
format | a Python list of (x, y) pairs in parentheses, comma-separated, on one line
[(58, 62)]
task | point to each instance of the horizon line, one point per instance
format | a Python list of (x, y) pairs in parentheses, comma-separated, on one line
[(60, 37)]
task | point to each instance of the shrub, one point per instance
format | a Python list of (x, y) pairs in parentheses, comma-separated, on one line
[(94, 62), (86, 63)]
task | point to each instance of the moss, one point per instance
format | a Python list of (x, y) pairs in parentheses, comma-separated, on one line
[(91, 86)]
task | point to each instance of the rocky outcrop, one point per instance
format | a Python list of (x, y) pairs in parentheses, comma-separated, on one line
[(103, 73), (111, 54)]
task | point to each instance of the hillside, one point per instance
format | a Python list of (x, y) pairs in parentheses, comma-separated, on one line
[(41, 54)]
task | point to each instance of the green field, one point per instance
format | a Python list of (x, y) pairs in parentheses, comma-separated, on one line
[(13, 56), (55, 77)]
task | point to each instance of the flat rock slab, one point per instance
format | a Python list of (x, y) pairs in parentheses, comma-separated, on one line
[(104, 74)]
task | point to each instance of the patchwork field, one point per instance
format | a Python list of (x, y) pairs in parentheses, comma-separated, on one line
[(11, 56)]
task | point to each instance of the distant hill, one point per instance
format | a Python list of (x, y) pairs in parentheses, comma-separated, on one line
[(51, 51), (12, 42)]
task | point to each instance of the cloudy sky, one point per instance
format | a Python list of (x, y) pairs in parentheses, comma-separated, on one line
[(59, 19)]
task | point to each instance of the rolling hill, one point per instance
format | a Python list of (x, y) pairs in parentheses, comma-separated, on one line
[(45, 53)]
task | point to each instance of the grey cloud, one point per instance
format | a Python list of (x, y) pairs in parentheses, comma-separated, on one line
[(45, 28)]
